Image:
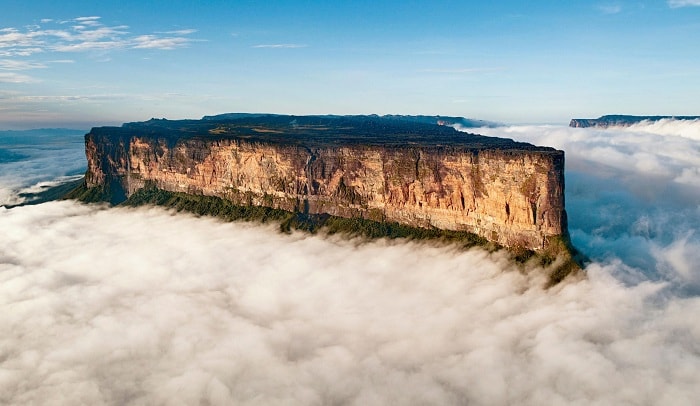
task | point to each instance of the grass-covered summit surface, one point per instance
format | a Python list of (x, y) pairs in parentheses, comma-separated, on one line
[(316, 131)]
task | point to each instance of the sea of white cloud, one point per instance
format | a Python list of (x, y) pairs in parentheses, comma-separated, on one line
[(144, 306), (32, 160)]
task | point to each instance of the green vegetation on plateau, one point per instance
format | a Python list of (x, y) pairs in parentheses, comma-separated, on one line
[(316, 131), (103, 193)]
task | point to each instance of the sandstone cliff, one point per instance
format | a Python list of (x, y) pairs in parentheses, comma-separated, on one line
[(375, 168)]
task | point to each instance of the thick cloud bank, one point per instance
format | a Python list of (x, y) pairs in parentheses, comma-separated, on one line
[(33, 160), (633, 194), (141, 306), (144, 307)]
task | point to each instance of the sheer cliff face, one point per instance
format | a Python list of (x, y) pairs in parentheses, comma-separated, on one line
[(510, 196)]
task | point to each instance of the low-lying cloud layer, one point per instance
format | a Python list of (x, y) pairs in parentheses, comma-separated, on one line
[(144, 307), (31, 160), (633, 194), (141, 306)]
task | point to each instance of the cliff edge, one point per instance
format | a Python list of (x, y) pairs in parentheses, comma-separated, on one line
[(368, 167)]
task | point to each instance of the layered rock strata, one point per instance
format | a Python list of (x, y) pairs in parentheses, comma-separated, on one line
[(374, 168)]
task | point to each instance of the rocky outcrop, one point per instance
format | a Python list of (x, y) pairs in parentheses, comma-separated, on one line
[(617, 120), (374, 168)]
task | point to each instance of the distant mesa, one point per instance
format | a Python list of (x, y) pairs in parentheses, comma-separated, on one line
[(620, 120)]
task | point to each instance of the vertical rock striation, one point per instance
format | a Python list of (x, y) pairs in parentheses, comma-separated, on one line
[(374, 168)]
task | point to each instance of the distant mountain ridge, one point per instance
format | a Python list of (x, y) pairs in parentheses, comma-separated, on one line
[(621, 120), (42, 131), (39, 136)]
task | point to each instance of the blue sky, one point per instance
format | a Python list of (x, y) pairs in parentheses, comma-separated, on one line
[(85, 63)]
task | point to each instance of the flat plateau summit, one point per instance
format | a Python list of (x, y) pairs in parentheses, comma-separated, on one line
[(383, 169)]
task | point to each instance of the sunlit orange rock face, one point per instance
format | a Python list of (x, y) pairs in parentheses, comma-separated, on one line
[(512, 194)]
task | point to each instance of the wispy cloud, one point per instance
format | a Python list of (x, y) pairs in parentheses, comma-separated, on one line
[(280, 46), (19, 53), (96, 97), (155, 42), (92, 20), (84, 34), (12, 77), (52, 98), (13, 38), (460, 71), (683, 3), (610, 8), (179, 32), (11, 64), (90, 46)]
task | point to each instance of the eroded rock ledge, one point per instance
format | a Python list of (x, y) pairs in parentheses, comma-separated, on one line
[(375, 168)]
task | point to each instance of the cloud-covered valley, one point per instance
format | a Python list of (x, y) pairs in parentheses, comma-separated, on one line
[(143, 306), (633, 194), (34, 159)]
